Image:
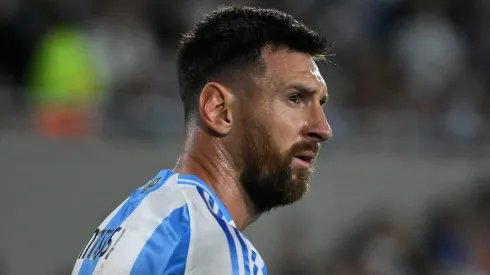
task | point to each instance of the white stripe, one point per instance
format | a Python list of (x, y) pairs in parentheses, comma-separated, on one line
[(208, 201), (239, 252), (76, 268), (250, 261), (79, 262), (215, 208), (206, 196), (260, 264), (139, 227), (194, 182), (208, 248), (113, 213)]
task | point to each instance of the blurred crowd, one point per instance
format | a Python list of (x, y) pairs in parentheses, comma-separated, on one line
[(406, 69), (454, 239), (415, 69)]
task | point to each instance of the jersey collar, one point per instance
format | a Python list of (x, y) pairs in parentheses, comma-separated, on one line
[(209, 196)]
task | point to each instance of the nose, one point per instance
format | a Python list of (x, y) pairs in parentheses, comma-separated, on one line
[(318, 129)]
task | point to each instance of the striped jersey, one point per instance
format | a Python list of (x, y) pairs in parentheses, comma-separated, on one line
[(175, 224)]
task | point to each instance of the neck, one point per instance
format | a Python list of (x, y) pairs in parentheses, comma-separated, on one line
[(207, 158)]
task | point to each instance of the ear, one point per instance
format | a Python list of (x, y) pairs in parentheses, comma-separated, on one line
[(215, 108)]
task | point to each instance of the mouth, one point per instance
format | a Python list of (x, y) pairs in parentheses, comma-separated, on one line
[(305, 158)]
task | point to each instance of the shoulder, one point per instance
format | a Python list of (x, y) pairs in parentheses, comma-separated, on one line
[(145, 231), (187, 237), (167, 228)]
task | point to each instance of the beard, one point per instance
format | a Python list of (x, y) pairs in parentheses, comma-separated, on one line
[(267, 175)]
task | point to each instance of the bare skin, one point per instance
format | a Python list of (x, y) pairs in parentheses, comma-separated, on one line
[(287, 100)]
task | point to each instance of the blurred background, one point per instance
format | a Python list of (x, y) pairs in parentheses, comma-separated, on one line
[(90, 111)]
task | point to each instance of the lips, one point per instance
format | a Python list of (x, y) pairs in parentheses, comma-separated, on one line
[(305, 153), (306, 156)]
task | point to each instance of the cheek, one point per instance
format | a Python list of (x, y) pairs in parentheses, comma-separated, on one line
[(285, 130)]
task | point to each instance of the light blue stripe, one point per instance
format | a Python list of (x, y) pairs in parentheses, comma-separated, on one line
[(244, 252), (167, 247), (179, 258), (131, 204), (264, 270)]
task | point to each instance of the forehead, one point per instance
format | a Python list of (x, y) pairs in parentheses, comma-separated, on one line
[(286, 67)]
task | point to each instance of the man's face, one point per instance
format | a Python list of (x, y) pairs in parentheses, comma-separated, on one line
[(282, 126)]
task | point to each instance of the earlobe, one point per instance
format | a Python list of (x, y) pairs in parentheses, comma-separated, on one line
[(215, 108)]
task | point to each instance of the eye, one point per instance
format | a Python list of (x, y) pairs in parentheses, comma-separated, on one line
[(295, 98), (323, 102)]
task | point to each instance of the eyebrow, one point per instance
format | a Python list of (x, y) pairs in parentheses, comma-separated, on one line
[(301, 88)]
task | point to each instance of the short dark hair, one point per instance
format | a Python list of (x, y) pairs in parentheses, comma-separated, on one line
[(232, 39)]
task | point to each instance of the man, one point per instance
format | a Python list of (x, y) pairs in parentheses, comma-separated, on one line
[(253, 98)]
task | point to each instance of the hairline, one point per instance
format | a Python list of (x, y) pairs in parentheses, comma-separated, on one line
[(243, 72), (233, 72)]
